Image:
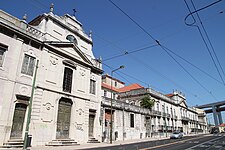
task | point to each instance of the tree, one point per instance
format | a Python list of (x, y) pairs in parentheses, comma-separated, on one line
[(147, 102)]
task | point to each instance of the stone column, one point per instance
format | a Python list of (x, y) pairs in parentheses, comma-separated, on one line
[(220, 117), (215, 115)]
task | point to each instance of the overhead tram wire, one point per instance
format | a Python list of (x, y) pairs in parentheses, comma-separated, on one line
[(207, 36), (204, 8), (111, 68), (201, 34), (160, 74), (165, 48), (130, 52), (198, 68), (162, 47), (147, 84), (163, 76), (134, 21), (147, 66)]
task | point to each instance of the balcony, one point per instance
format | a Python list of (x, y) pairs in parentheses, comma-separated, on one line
[(156, 113), (183, 118), (125, 106), (150, 91), (201, 114)]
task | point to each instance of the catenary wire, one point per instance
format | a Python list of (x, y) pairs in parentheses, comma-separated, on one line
[(157, 72), (132, 77), (209, 5), (201, 34), (130, 52), (207, 36), (160, 74), (198, 68), (136, 24), (149, 85), (164, 48)]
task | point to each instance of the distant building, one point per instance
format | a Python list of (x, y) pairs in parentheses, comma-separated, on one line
[(67, 93), (131, 121)]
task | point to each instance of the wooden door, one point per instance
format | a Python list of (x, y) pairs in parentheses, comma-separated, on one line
[(63, 119), (18, 121), (91, 125)]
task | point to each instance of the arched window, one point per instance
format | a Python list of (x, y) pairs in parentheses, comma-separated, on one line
[(72, 39)]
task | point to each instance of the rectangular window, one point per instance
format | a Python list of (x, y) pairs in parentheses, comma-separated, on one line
[(163, 108), (114, 96), (157, 106), (132, 120), (2, 51), (105, 93), (67, 80), (115, 84), (28, 65), (92, 86)]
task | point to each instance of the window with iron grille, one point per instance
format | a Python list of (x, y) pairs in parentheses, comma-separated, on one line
[(67, 80), (92, 86), (132, 120), (2, 52), (28, 65)]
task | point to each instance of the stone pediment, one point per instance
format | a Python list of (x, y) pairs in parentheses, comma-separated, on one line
[(183, 103), (71, 50)]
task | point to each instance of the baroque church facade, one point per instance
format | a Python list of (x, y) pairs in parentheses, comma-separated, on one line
[(66, 89)]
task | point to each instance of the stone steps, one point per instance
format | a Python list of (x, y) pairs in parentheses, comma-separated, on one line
[(13, 143), (93, 140), (62, 142)]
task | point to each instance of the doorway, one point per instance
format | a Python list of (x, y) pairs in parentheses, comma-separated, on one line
[(18, 121), (63, 119), (91, 123)]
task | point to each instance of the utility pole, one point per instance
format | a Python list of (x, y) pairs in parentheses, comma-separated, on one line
[(111, 109), (29, 109)]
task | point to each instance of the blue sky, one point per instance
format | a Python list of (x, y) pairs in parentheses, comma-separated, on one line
[(114, 33)]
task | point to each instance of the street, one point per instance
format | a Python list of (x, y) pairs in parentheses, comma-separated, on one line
[(209, 142)]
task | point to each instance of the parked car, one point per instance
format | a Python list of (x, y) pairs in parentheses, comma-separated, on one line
[(176, 135)]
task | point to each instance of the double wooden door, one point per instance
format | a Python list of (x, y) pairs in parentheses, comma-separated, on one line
[(63, 119)]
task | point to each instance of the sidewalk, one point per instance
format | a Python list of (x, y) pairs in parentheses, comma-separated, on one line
[(93, 145)]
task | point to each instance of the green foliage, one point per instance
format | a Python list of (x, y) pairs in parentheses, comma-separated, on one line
[(147, 102)]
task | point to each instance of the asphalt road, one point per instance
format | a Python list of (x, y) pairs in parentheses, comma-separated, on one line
[(209, 142), (213, 142)]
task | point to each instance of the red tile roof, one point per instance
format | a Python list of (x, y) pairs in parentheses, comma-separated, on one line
[(109, 87), (130, 87), (169, 95), (222, 125)]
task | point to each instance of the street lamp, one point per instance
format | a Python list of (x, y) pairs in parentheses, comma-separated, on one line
[(121, 67)]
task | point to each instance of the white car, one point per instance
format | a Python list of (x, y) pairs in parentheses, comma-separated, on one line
[(176, 135)]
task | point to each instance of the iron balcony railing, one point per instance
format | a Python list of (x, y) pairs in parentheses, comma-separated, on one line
[(116, 104)]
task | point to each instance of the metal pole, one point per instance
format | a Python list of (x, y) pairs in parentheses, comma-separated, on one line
[(123, 123), (29, 109), (111, 113)]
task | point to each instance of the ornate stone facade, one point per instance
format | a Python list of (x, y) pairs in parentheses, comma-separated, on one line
[(62, 102)]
